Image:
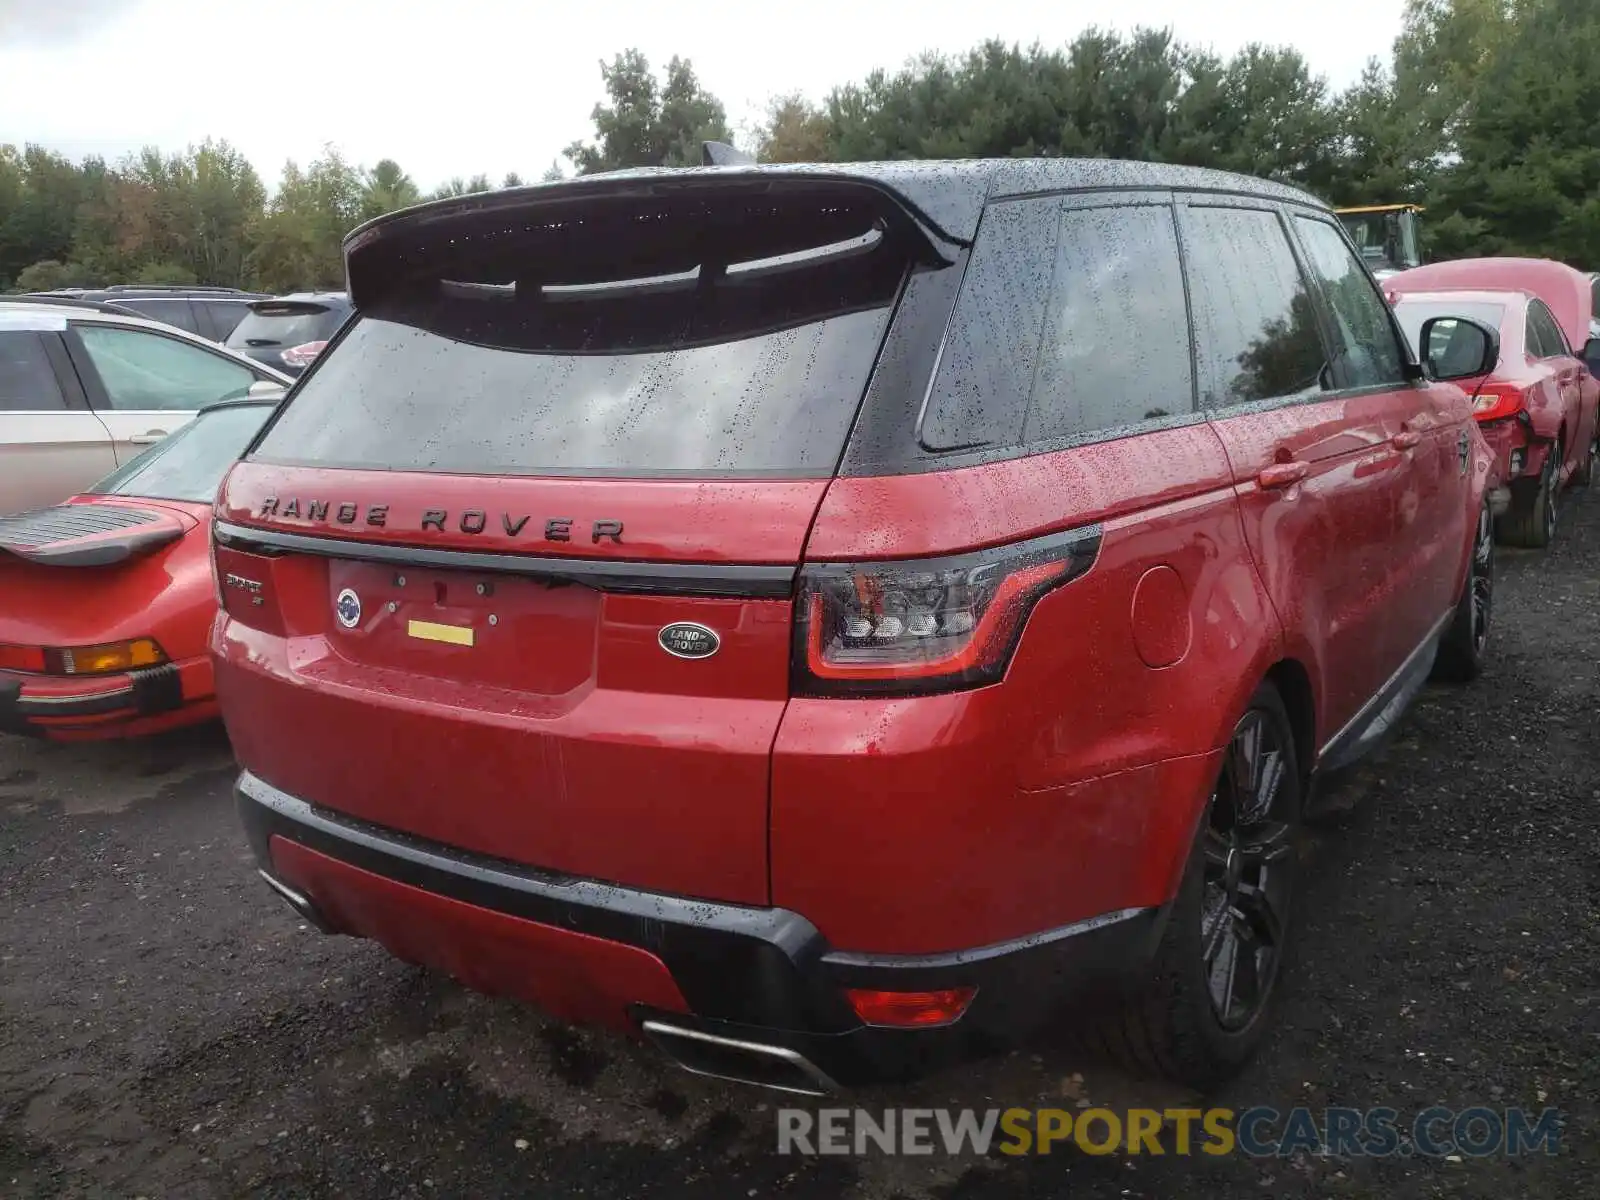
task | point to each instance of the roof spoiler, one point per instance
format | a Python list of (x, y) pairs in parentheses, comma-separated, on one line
[(586, 230), (720, 154)]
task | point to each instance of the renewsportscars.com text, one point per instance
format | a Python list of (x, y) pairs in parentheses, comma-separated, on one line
[(1258, 1132)]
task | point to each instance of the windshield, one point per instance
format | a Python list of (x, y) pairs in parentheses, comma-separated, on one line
[(1412, 314), (189, 465), (284, 325)]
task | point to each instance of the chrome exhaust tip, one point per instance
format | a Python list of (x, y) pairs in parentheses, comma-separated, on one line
[(775, 1067), (298, 901)]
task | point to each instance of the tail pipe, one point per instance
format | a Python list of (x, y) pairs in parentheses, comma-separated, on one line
[(768, 1066), (300, 902)]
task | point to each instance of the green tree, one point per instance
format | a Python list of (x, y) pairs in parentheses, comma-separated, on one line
[(1528, 177), (386, 189), (795, 130), (649, 123), (298, 241)]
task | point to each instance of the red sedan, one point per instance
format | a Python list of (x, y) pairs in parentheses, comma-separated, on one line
[(1540, 407), (110, 597)]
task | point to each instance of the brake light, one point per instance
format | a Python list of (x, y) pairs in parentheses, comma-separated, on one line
[(301, 355), (926, 625), (1497, 400)]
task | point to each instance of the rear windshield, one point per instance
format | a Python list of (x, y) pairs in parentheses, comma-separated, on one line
[(190, 464), (759, 369), (287, 326), (1413, 313)]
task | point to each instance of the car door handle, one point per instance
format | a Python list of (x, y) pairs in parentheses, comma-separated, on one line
[(148, 438), (1281, 475), (1406, 439)]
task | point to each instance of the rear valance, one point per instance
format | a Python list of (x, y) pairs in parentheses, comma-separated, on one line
[(632, 227)]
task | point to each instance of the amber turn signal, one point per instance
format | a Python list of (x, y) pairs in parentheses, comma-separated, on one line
[(104, 659)]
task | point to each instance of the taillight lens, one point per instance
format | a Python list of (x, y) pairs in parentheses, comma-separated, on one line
[(301, 355), (1495, 401), (105, 659), (925, 625), (910, 1010), (21, 658)]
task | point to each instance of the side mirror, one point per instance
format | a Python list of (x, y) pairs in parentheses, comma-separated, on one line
[(1458, 348), (266, 389), (1591, 356)]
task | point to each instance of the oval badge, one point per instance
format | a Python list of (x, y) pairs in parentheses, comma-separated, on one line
[(348, 608), (687, 639)]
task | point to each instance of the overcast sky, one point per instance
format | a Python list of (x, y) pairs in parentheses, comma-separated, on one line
[(503, 85)]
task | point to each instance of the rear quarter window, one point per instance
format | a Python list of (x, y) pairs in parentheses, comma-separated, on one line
[(1072, 325)]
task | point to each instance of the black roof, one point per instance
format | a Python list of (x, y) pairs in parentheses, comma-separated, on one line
[(948, 195)]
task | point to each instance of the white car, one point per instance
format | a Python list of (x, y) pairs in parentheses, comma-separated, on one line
[(84, 389)]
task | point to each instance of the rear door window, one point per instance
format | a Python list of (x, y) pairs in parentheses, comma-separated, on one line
[(27, 380), (144, 371), (1256, 330), (1367, 351), (759, 371)]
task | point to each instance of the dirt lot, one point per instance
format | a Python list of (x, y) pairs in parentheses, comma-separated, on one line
[(167, 1028)]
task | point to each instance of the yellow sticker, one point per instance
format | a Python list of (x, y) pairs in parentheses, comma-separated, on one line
[(456, 635)]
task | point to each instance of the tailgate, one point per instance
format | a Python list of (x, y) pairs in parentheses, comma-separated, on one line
[(512, 571)]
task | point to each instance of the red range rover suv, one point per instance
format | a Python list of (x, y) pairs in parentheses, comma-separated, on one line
[(823, 619)]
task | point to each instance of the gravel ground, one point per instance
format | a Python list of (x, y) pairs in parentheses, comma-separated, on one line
[(168, 1029)]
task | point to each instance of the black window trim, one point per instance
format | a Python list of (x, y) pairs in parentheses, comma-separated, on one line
[(1079, 199), (94, 387), (67, 382)]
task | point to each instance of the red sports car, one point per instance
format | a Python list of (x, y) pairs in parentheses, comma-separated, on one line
[(109, 597), (1542, 396)]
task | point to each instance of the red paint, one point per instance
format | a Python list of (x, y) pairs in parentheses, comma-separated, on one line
[(1162, 624), (1535, 401), (700, 520), (571, 975), (166, 595)]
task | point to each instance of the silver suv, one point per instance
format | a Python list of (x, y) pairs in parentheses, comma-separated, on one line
[(84, 389)]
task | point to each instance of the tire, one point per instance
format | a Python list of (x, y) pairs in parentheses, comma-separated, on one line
[(1531, 519), (1461, 651), (1174, 1024), (1584, 475)]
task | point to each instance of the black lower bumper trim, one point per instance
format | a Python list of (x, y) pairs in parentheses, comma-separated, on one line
[(149, 691), (759, 975)]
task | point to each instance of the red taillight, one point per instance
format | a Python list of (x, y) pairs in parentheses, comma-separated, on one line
[(925, 625), (910, 1010), (301, 355), (21, 658), (1497, 400)]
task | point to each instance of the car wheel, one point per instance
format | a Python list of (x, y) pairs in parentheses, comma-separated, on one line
[(1202, 1008), (1584, 475), (1531, 520), (1461, 652)]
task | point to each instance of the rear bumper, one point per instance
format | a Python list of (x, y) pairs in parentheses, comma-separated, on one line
[(706, 973), (113, 706)]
